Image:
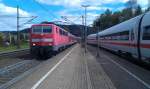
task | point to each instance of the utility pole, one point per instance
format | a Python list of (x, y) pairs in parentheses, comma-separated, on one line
[(97, 37), (148, 4), (9, 37), (83, 34), (85, 17), (18, 26), (18, 33)]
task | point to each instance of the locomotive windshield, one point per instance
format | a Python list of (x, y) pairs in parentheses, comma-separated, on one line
[(41, 29)]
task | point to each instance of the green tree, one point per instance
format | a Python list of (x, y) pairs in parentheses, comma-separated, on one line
[(138, 10), (1, 39)]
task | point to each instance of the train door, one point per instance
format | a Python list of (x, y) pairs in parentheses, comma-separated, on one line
[(133, 43), (145, 38)]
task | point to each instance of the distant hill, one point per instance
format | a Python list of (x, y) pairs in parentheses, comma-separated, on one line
[(77, 30), (26, 30)]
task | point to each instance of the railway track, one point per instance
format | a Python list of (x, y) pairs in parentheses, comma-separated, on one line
[(14, 53), (14, 69), (13, 73)]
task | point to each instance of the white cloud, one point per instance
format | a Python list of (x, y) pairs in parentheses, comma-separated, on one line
[(76, 17), (78, 3), (8, 17), (61, 2), (11, 11), (73, 7), (143, 3), (99, 8)]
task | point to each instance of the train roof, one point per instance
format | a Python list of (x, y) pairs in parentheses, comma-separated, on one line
[(92, 35), (42, 24), (50, 24), (124, 26)]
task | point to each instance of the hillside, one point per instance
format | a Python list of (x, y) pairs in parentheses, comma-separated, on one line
[(76, 30)]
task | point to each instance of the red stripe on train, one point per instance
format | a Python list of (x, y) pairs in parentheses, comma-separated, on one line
[(129, 44)]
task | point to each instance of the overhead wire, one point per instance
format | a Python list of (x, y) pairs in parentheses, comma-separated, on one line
[(47, 10), (51, 13)]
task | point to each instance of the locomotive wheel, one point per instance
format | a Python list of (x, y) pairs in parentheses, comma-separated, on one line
[(48, 55)]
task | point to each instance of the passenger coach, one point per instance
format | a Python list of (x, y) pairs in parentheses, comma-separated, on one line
[(131, 37)]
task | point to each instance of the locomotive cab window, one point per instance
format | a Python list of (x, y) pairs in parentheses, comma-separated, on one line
[(47, 29), (41, 29), (37, 29), (146, 33)]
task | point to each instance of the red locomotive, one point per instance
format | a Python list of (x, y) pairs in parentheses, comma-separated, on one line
[(47, 39)]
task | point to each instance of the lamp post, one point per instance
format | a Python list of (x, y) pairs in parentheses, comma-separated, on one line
[(85, 23), (18, 33)]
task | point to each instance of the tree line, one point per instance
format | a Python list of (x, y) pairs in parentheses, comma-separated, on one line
[(109, 18), (11, 38)]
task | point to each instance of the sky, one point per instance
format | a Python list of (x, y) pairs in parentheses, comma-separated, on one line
[(53, 10)]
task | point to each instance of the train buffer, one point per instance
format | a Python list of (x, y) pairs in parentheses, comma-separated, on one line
[(71, 69)]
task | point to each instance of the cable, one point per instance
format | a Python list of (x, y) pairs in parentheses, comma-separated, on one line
[(7, 16), (47, 10)]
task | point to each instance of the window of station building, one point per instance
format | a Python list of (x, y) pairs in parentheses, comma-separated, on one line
[(146, 33), (47, 29)]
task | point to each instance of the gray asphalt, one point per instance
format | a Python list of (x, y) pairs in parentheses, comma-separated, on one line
[(75, 71)]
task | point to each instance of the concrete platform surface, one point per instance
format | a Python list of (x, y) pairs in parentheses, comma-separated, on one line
[(71, 70)]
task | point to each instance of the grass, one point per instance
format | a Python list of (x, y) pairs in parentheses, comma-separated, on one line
[(13, 47)]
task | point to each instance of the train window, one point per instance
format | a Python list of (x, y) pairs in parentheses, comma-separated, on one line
[(64, 33), (37, 29), (47, 29), (61, 31), (57, 30), (132, 35), (120, 36), (124, 35), (146, 33)]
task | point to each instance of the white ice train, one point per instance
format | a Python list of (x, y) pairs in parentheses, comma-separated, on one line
[(131, 37)]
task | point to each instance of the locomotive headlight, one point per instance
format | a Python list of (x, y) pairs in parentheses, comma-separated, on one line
[(33, 44), (50, 44)]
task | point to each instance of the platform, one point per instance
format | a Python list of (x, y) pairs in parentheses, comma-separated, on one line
[(74, 70)]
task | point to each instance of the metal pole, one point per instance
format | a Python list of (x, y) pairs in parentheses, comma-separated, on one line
[(18, 34), (85, 29), (85, 43), (9, 37), (98, 41), (83, 35)]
